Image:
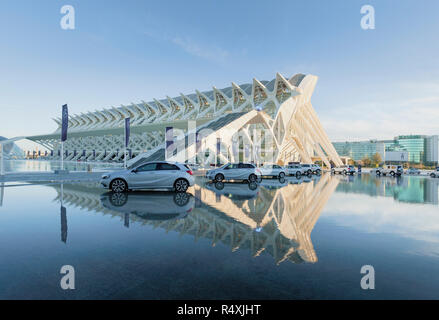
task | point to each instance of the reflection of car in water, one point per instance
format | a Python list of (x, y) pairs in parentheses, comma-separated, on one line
[(246, 190), (274, 184), (150, 206)]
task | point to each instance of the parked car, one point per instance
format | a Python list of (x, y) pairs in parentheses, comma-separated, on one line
[(235, 171), (393, 170), (413, 171), (344, 170), (193, 166), (152, 175), (273, 170), (295, 170), (311, 168), (435, 174), (150, 205)]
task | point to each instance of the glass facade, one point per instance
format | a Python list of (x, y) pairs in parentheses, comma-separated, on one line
[(357, 150), (414, 144), (421, 149)]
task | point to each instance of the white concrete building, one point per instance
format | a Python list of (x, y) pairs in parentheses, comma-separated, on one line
[(259, 121)]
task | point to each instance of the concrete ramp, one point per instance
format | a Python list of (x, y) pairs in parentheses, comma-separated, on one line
[(228, 121)]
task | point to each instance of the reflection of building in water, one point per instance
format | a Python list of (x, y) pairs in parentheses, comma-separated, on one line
[(275, 221), (2, 193), (404, 189)]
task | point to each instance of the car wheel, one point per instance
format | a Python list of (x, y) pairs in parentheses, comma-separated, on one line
[(219, 185), (344, 171), (281, 175), (309, 172), (378, 173), (432, 175), (282, 180), (118, 199), (333, 171), (318, 172), (298, 174), (252, 178), (118, 185), (181, 199), (252, 186), (219, 177), (181, 185), (392, 173)]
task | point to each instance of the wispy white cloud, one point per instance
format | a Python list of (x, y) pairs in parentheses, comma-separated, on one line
[(413, 110), (210, 53)]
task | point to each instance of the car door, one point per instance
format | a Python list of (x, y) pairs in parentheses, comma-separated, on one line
[(166, 175), (143, 177), (230, 172), (244, 171)]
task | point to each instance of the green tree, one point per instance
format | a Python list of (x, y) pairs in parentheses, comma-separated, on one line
[(366, 161), (376, 159)]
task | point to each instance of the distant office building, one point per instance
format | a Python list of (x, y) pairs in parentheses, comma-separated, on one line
[(413, 144), (415, 149), (359, 149), (432, 150)]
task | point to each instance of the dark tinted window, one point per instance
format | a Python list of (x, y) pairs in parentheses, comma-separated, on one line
[(166, 166), (147, 167)]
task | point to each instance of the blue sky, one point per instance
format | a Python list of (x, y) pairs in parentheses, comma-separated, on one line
[(372, 83)]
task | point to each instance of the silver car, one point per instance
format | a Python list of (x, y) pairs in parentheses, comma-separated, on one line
[(273, 170), (295, 170), (435, 174), (152, 175), (235, 171)]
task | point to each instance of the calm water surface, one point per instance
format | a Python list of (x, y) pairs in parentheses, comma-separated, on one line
[(43, 165), (293, 239)]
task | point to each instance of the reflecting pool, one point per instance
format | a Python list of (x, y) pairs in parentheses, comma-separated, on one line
[(281, 239), (44, 165)]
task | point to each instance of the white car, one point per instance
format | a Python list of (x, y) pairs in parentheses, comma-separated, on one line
[(273, 170), (344, 170), (295, 170), (152, 175), (235, 171), (413, 171), (435, 174), (311, 168), (392, 170), (193, 166)]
